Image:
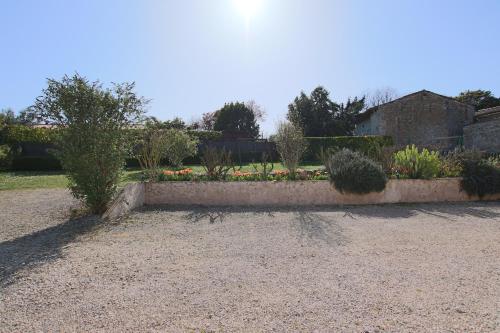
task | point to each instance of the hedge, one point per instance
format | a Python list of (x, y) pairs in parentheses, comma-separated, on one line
[(35, 163), (206, 135), (16, 134), (362, 144)]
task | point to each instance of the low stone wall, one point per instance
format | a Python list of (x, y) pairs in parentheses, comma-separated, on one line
[(130, 198), (298, 193)]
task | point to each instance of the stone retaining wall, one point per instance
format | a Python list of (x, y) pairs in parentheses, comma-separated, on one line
[(298, 193), (130, 198)]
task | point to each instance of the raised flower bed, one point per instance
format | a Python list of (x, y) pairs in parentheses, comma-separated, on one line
[(285, 194), (302, 193)]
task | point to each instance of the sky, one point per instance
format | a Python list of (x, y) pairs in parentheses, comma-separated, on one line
[(192, 56)]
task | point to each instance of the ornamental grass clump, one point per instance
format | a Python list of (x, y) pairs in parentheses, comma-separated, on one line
[(413, 164), (352, 172)]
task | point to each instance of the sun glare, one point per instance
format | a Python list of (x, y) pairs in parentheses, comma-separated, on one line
[(248, 8)]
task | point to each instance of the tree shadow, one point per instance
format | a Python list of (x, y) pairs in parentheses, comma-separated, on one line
[(315, 227), (41, 247), (446, 211), (309, 223)]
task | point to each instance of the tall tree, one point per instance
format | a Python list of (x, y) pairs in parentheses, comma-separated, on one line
[(480, 99), (236, 120), (318, 116)]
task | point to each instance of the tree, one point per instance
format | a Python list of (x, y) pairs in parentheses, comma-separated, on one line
[(236, 120), (94, 140), (206, 123), (346, 119), (480, 99), (291, 145), (381, 96), (258, 112), (7, 117), (318, 116)]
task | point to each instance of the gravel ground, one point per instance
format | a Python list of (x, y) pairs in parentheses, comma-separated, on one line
[(403, 268)]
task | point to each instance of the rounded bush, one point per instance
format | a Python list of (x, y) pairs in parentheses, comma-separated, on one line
[(352, 172), (480, 178)]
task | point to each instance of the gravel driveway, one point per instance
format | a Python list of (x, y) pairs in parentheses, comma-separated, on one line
[(404, 268)]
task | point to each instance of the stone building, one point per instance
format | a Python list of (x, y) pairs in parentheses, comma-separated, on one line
[(423, 118), (484, 133)]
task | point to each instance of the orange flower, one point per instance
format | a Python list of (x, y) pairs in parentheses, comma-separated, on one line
[(241, 174), (180, 172)]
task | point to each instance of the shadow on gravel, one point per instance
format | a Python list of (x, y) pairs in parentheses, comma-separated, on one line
[(41, 247), (319, 228), (483, 210), (310, 224)]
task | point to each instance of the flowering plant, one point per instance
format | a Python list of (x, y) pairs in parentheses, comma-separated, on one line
[(179, 175)]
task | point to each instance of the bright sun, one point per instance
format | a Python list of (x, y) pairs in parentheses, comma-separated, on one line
[(248, 7)]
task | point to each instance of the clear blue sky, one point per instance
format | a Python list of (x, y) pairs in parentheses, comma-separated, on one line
[(192, 56)]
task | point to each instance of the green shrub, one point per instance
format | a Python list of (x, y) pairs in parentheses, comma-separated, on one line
[(95, 142), (410, 163), (150, 150), (179, 146), (453, 161), (480, 177), (5, 157), (291, 145), (352, 172), (367, 145)]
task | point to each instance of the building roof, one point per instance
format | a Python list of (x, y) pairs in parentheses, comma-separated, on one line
[(367, 114), (488, 113)]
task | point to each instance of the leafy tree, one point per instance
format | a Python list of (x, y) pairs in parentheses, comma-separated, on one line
[(236, 120), (480, 99), (318, 116), (93, 142)]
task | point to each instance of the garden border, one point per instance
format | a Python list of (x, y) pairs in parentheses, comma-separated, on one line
[(285, 194)]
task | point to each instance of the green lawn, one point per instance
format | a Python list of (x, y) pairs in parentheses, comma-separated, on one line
[(34, 180)]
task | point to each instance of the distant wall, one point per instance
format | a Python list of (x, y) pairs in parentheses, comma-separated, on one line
[(484, 135)]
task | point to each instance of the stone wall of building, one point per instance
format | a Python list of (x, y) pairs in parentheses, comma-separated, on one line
[(423, 118), (484, 134)]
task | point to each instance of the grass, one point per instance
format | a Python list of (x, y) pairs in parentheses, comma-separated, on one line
[(36, 180)]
